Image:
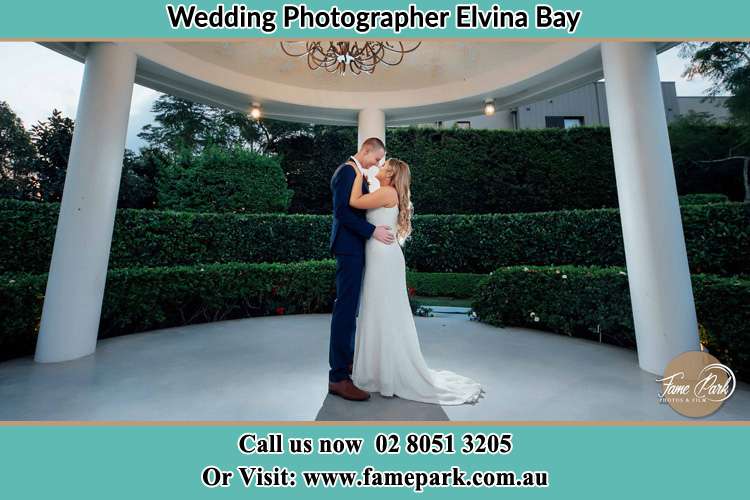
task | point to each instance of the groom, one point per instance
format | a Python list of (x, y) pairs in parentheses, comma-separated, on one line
[(349, 232)]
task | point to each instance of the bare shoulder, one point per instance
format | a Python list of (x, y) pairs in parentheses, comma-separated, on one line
[(391, 195)]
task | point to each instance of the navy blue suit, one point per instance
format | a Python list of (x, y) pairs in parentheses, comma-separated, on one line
[(349, 231)]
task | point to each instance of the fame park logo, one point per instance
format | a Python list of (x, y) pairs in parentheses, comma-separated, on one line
[(696, 384)]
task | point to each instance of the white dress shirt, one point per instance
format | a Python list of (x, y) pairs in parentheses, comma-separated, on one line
[(370, 173), (359, 166)]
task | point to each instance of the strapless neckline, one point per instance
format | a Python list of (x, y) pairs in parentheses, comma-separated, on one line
[(383, 215)]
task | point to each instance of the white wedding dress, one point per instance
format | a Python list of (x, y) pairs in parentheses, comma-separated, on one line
[(387, 357)]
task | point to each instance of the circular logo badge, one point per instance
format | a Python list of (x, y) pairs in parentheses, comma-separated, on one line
[(695, 384)]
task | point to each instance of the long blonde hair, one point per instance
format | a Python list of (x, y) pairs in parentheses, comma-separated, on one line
[(401, 181)]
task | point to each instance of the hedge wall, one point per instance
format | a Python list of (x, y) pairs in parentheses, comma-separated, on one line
[(507, 171), (455, 285), (142, 299), (703, 199), (717, 235), (569, 300), (717, 238), (589, 301)]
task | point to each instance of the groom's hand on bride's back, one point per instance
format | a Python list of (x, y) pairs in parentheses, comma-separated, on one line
[(384, 235)]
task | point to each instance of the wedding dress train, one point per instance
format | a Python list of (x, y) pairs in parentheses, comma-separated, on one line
[(387, 356)]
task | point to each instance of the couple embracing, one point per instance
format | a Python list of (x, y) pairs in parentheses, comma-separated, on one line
[(374, 345)]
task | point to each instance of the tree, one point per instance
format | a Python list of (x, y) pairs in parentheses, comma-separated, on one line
[(17, 156), (183, 125), (272, 132), (138, 182), (727, 65), (52, 139)]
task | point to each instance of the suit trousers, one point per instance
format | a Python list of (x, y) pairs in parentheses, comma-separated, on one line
[(349, 274)]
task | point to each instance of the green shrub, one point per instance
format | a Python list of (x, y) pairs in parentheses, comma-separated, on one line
[(503, 171), (153, 238), (21, 300), (309, 161), (508, 171), (703, 198), (141, 299), (455, 285), (578, 301), (717, 238), (590, 302), (693, 143), (221, 180)]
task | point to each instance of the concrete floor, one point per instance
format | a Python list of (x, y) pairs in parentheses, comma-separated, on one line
[(276, 368)]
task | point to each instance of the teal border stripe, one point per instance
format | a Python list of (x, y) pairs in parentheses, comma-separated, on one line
[(163, 461), (652, 19)]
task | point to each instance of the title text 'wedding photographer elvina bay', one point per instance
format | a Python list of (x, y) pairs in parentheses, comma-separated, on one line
[(300, 16)]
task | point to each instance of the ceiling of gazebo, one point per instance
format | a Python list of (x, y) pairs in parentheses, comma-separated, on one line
[(442, 79), (433, 63)]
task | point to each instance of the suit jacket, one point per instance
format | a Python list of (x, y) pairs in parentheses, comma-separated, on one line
[(350, 228)]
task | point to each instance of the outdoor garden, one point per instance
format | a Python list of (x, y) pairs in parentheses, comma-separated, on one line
[(221, 218)]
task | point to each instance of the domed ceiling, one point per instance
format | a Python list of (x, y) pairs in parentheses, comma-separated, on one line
[(441, 79)]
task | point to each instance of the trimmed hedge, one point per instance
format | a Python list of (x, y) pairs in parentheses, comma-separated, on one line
[(570, 300), (456, 285), (703, 198), (142, 299), (590, 301), (507, 171), (156, 238), (717, 237)]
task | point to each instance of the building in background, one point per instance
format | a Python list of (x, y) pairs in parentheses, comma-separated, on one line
[(585, 105)]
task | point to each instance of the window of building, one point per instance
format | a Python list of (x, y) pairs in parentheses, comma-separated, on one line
[(463, 124), (563, 121)]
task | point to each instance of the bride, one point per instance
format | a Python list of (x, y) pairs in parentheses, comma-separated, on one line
[(387, 357)]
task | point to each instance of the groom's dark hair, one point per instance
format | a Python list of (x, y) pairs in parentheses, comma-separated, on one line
[(373, 143)]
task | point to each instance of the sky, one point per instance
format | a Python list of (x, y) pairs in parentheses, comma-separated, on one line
[(36, 80)]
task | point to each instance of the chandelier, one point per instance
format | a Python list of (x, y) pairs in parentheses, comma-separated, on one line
[(358, 57)]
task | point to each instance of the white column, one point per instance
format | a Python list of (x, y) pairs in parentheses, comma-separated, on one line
[(75, 286), (658, 274), (371, 123)]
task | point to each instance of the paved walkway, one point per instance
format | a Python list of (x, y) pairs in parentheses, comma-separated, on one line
[(276, 369)]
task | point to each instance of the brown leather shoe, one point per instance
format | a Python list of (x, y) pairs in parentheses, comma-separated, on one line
[(347, 390)]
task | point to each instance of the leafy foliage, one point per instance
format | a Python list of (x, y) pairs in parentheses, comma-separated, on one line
[(703, 199), (52, 139), (455, 285), (594, 303), (183, 126), (221, 180), (138, 181), (309, 160), (507, 171), (16, 156), (578, 301), (717, 238), (139, 299), (727, 65)]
